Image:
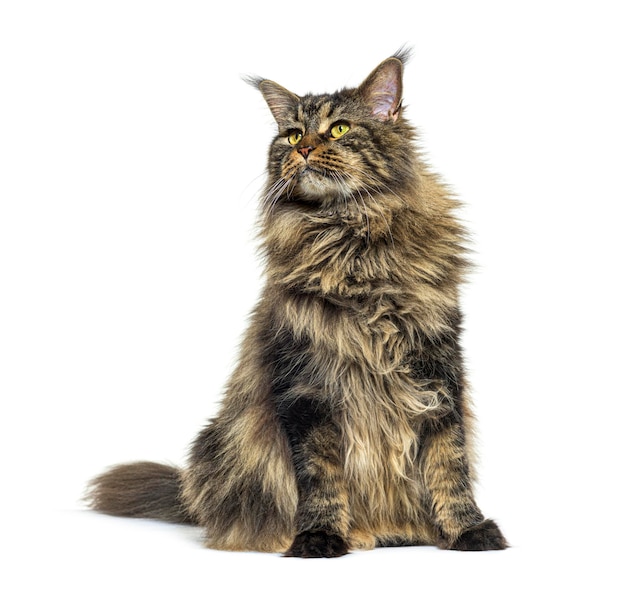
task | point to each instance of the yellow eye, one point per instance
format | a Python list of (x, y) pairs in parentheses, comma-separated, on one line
[(339, 129), (294, 138)]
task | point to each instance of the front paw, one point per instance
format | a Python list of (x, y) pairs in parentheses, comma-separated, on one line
[(316, 543), (485, 536)]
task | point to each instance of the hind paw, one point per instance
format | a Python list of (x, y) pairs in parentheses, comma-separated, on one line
[(485, 536)]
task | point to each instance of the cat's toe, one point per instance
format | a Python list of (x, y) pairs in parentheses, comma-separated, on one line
[(317, 544), (485, 536)]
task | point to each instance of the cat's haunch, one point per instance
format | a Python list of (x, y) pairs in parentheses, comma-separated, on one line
[(346, 423)]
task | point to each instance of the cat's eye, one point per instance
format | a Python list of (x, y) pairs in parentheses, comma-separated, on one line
[(294, 137), (339, 129)]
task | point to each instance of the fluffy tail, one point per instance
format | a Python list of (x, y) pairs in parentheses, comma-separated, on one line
[(139, 490)]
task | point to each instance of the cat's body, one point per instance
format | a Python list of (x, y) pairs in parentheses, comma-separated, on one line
[(346, 422)]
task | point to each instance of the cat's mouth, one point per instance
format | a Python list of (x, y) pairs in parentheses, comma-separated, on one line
[(313, 181), (317, 182), (308, 170)]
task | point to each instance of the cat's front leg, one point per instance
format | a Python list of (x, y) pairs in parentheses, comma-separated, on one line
[(456, 516), (322, 516)]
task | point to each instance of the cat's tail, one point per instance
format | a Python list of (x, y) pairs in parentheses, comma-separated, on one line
[(139, 490)]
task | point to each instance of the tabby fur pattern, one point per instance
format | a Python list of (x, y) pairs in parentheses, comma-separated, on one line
[(346, 423)]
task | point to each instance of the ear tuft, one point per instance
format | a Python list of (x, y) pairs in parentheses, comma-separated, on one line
[(282, 103), (382, 89)]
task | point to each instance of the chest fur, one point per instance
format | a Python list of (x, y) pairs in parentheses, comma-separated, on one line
[(366, 309), (362, 360)]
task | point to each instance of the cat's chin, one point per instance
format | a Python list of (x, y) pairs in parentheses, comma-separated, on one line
[(315, 186)]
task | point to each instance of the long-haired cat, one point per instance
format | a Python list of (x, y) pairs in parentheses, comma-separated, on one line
[(346, 423)]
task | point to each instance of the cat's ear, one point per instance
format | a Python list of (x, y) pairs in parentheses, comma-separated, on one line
[(282, 103), (382, 89)]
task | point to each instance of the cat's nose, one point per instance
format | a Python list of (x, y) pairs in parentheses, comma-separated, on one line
[(305, 150)]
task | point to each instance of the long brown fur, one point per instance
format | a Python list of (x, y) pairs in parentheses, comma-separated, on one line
[(346, 423)]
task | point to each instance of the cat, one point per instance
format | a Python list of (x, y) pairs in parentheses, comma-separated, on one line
[(346, 423)]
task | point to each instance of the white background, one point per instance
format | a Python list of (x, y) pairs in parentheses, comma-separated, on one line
[(131, 156)]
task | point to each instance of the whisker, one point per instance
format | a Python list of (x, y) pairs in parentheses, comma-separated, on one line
[(371, 190), (354, 183), (274, 192)]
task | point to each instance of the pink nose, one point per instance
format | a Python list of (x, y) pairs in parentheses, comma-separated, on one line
[(305, 150)]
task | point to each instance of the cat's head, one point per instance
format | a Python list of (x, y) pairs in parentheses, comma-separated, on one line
[(351, 143)]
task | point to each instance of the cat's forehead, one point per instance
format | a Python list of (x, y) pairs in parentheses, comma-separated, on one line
[(315, 111)]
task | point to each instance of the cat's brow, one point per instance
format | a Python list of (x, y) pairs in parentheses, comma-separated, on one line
[(325, 110), (323, 126)]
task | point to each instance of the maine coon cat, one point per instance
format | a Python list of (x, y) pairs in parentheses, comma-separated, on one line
[(346, 423)]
